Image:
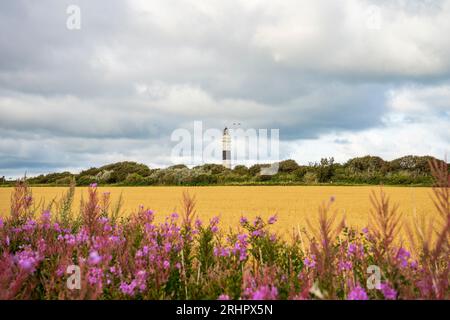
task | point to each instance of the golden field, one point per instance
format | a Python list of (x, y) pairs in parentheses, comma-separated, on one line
[(292, 204)]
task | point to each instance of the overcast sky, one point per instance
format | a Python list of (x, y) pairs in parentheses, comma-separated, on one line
[(338, 78)]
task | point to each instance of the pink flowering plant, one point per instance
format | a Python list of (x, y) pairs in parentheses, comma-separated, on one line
[(184, 257)]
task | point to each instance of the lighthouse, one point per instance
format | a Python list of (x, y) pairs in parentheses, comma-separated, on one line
[(226, 146)]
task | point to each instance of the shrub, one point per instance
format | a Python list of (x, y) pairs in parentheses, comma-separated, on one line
[(299, 173), (241, 170), (85, 180), (64, 181), (288, 166), (310, 178), (325, 170), (362, 170), (134, 179)]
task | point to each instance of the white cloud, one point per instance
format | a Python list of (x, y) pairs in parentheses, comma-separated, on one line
[(419, 99), (337, 37)]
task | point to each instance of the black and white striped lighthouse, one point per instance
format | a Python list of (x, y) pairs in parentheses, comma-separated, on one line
[(226, 146)]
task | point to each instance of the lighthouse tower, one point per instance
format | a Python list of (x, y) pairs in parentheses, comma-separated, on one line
[(226, 146)]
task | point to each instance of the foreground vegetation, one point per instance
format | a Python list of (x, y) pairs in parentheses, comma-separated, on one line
[(185, 258), (408, 170)]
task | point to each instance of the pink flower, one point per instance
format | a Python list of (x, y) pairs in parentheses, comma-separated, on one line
[(56, 227), (357, 293), (403, 257), (388, 292), (28, 200), (213, 224), (82, 236), (141, 280), (345, 265), (45, 217), (27, 264), (94, 258), (272, 219), (310, 263), (265, 293), (27, 260), (242, 237), (29, 226), (60, 271), (128, 289), (224, 297), (222, 252), (214, 220), (166, 264), (167, 247), (351, 249), (258, 222), (95, 276), (198, 223), (103, 220), (243, 221), (257, 233)]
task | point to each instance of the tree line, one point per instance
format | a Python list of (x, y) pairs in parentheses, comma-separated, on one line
[(408, 170)]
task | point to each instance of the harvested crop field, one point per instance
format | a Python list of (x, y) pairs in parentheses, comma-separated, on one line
[(292, 204)]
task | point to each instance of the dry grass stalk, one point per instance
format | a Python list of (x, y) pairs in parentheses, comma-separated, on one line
[(188, 204), (384, 221), (21, 201)]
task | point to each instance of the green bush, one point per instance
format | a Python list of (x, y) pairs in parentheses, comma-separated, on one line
[(134, 179), (362, 170), (85, 180), (241, 170), (310, 177), (288, 166), (64, 181), (300, 173)]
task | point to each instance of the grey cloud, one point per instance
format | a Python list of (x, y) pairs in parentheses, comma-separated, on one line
[(139, 69)]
